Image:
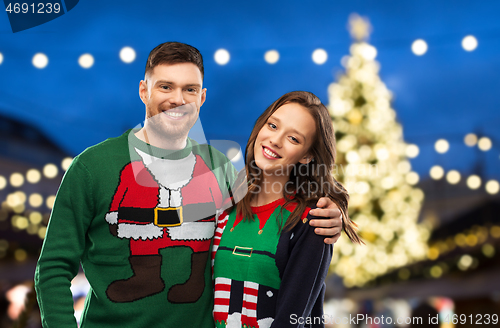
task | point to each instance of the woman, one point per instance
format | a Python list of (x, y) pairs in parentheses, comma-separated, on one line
[(270, 266)]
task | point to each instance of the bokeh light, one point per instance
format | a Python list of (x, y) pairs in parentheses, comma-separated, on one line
[(272, 56), (442, 146), (86, 61), (419, 47), (436, 172), (33, 176), (16, 179), (453, 177), (50, 171), (470, 139), (474, 182), (222, 57), (127, 55), (484, 144), (319, 56), (469, 43), (40, 60)]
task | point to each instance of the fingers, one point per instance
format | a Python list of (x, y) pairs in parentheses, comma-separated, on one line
[(324, 202), (326, 212), (327, 231), (327, 222), (332, 240)]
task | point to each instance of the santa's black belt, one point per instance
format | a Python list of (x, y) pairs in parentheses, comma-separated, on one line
[(168, 217)]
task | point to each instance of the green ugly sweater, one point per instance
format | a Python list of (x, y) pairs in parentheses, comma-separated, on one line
[(140, 221)]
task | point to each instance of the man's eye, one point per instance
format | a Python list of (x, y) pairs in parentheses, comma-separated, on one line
[(165, 87), (192, 90)]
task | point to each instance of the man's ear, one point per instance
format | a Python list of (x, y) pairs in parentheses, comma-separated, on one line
[(203, 96), (306, 159), (143, 91)]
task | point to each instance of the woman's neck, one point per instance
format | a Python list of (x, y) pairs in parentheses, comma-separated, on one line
[(271, 189)]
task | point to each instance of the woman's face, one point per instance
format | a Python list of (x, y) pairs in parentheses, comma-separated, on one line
[(285, 139)]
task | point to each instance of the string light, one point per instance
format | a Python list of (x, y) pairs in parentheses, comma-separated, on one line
[(222, 57), (419, 47), (66, 162), (3, 182), (412, 151), (492, 187), (484, 144), (49, 202), (127, 55), (272, 56), (86, 61), (319, 56), (33, 176), (469, 43), (436, 172), (16, 179), (474, 182), (453, 177), (40, 60), (442, 146), (35, 200), (50, 171), (470, 139)]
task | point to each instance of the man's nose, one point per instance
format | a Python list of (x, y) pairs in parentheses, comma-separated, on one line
[(177, 98)]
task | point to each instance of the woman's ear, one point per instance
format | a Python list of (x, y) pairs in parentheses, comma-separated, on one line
[(306, 159)]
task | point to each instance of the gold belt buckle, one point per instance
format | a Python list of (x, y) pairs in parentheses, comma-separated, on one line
[(168, 209), (236, 248)]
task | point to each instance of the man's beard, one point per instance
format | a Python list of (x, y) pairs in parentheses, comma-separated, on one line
[(169, 129)]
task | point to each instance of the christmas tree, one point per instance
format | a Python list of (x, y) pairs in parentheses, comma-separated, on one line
[(373, 166)]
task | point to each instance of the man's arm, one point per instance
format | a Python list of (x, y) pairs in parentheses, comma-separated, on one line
[(62, 248), (331, 225)]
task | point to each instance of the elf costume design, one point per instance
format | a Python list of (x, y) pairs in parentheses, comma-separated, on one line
[(262, 276), (140, 219)]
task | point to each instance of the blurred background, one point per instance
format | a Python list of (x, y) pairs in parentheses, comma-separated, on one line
[(412, 88)]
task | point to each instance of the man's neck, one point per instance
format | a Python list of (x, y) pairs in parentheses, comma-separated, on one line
[(158, 141)]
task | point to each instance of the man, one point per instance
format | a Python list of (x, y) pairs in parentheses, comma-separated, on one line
[(138, 212)]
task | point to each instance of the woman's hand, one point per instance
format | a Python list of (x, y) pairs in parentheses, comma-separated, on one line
[(331, 225)]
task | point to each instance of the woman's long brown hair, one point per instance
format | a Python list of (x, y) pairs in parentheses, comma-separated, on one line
[(317, 181)]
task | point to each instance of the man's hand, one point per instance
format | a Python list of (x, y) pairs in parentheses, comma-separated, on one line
[(332, 224)]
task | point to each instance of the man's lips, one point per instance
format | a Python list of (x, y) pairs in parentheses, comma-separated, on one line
[(174, 114), (269, 153), (178, 112)]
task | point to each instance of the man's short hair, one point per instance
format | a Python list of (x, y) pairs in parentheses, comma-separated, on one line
[(174, 53)]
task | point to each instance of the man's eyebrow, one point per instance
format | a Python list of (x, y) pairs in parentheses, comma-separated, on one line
[(294, 130), (172, 83)]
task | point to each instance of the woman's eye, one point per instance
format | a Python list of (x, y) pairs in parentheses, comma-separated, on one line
[(272, 125), (294, 139)]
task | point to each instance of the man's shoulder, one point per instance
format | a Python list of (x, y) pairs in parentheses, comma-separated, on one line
[(106, 149), (209, 153)]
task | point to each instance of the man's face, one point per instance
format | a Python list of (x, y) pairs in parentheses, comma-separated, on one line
[(173, 96)]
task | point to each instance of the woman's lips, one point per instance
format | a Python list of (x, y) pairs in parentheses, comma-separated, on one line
[(269, 153)]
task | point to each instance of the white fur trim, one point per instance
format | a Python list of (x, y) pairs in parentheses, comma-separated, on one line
[(192, 231), (175, 198), (234, 320), (172, 174), (112, 217), (265, 323), (142, 231)]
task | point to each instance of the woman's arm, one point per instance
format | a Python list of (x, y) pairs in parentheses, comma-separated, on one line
[(303, 275)]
